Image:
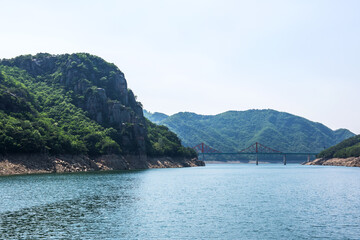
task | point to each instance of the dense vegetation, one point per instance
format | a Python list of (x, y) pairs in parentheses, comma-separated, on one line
[(54, 104), (347, 148), (235, 130), (161, 141)]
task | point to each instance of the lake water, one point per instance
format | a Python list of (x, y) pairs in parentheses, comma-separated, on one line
[(219, 201)]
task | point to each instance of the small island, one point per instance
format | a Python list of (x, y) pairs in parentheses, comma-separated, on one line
[(74, 112), (346, 153)]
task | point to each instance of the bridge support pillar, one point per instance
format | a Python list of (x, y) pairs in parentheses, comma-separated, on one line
[(308, 159), (284, 157), (257, 160)]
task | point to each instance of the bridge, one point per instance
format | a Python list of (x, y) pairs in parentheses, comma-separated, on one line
[(255, 149)]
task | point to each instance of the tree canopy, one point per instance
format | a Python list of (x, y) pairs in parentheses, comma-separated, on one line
[(347, 148), (235, 130), (44, 108)]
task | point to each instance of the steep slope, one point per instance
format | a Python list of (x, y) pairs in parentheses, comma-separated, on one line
[(89, 83), (345, 153), (345, 149), (236, 130), (75, 104)]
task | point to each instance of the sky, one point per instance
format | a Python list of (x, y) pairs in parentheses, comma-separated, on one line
[(209, 56)]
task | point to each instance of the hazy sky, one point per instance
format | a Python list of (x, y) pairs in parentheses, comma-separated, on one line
[(204, 56)]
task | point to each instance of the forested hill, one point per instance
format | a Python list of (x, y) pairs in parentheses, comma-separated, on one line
[(235, 130), (78, 104), (345, 149)]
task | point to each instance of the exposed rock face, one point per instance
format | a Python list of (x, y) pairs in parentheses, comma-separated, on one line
[(168, 162), (41, 163), (96, 103), (348, 162), (100, 89), (111, 103), (117, 108), (45, 64)]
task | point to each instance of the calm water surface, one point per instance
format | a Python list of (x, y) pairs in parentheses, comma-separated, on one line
[(219, 201)]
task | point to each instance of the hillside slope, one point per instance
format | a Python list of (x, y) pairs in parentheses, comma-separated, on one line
[(345, 153), (345, 149), (235, 130), (75, 104)]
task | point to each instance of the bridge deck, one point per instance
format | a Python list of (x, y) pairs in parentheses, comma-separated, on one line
[(259, 153)]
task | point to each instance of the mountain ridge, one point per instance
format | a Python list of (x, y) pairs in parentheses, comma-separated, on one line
[(236, 130)]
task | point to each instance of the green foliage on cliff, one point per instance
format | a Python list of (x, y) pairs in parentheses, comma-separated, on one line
[(347, 148), (74, 104), (36, 117), (235, 130), (164, 142)]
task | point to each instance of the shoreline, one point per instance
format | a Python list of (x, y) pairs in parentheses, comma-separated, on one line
[(347, 162), (20, 164), (236, 162)]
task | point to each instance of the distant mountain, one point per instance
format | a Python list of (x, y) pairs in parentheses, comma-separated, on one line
[(155, 117), (235, 130)]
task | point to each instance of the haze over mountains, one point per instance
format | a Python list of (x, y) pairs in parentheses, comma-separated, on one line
[(235, 130)]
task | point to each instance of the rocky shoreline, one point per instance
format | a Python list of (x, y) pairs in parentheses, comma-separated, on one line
[(348, 162), (41, 163)]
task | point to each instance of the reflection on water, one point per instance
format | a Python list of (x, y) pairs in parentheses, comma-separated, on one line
[(82, 216), (79, 204), (237, 201)]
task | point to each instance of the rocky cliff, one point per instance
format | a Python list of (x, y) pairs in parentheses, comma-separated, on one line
[(78, 105), (98, 87)]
